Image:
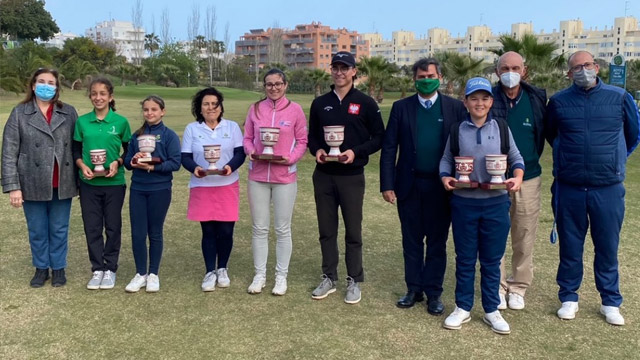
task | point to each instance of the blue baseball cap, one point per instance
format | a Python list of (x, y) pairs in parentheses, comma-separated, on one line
[(477, 84)]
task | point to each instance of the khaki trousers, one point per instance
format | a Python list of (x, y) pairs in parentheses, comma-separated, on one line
[(525, 209)]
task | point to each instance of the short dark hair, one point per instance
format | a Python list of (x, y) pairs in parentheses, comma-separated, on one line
[(423, 64), (196, 102), (29, 91)]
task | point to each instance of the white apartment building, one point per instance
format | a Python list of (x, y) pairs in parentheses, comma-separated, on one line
[(128, 41), (58, 40), (404, 48)]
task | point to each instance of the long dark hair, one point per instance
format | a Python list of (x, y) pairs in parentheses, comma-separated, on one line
[(30, 94), (156, 99), (274, 71), (108, 84), (196, 103)]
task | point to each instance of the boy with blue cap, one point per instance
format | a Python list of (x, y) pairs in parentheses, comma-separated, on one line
[(479, 217)]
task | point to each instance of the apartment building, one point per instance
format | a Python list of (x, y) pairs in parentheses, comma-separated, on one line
[(128, 41), (305, 46), (404, 48)]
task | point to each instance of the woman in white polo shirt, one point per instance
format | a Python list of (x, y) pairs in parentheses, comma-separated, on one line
[(213, 199)]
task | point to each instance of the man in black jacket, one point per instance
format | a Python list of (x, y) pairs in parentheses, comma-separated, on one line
[(341, 183), (523, 106), (418, 129)]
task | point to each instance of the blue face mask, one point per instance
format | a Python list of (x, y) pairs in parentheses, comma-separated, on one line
[(45, 92)]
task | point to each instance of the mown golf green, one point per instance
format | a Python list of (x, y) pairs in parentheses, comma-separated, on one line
[(182, 322)]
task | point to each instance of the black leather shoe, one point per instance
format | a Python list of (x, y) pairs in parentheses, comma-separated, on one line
[(435, 306), (58, 278), (39, 278), (410, 299)]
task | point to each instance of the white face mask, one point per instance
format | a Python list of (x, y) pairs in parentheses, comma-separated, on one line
[(585, 78), (510, 79)]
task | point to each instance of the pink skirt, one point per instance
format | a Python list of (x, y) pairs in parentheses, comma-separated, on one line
[(214, 203)]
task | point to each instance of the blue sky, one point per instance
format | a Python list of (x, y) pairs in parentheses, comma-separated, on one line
[(360, 15)]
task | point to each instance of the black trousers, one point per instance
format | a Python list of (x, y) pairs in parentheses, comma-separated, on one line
[(102, 211), (425, 213), (347, 193)]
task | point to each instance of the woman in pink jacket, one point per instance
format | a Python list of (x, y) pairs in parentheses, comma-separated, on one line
[(273, 181)]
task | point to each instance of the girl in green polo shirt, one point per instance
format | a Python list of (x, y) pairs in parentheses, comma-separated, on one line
[(102, 192)]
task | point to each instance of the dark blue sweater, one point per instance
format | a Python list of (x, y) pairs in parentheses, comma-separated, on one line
[(167, 149)]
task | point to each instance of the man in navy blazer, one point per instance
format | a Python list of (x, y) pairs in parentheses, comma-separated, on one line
[(418, 129)]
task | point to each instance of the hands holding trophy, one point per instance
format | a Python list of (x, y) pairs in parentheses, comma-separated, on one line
[(146, 144), (496, 167), (334, 136), (212, 155), (464, 167), (98, 159), (269, 137)]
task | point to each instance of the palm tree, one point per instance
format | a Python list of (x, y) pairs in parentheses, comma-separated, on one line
[(404, 84), (378, 71), (457, 69), (320, 79), (151, 43)]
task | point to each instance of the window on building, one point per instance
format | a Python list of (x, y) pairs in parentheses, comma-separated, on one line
[(344, 47)]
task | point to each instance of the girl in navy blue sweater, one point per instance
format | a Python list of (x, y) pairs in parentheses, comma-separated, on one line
[(150, 194)]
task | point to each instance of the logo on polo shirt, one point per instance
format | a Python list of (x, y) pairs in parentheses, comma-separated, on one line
[(526, 122), (226, 136), (113, 131), (158, 138), (354, 109), (440, 120), (328, 108)]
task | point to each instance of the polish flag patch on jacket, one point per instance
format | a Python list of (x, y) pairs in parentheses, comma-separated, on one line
[(354, 109)]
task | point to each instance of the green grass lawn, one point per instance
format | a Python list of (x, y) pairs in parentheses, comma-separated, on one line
[(183, 322)]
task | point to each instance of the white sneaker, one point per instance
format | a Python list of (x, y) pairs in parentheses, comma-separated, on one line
[(209, 281), (281, 285), (136, 283), (258, 284), (96, 279), (568, 310), (153, 283), (497, 323), (612, 315), (223, 278), (516, 301), (503, 302), (456, 319), (108, 280)]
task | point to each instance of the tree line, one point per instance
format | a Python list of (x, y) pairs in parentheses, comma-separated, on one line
[(205, 60)]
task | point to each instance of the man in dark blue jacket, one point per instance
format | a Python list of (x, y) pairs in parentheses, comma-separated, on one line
[(418, 128), (593, 128), (523, 107)]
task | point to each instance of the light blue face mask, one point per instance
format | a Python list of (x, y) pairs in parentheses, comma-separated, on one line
[(45, 92)]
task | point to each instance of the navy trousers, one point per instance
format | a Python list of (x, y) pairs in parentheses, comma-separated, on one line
[(147, 211), (603, 209), (217, 242), (480, 230), (425, 213)]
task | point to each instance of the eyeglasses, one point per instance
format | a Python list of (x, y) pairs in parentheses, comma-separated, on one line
[(340, 69), (277, 85), (587, 65)]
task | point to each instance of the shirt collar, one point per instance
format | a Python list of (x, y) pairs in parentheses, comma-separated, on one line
[(423, 100), (107, 119)]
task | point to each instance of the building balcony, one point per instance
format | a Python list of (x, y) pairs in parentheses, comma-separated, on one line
[(297, 41)]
